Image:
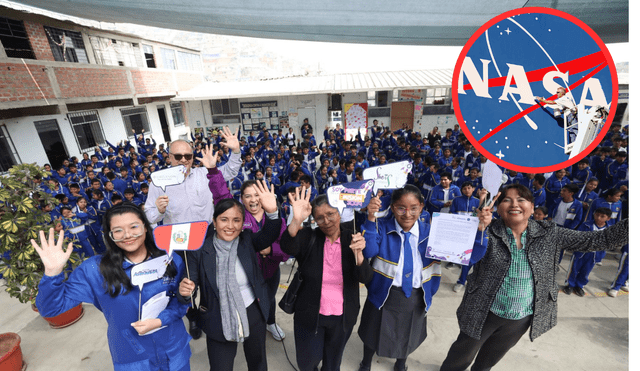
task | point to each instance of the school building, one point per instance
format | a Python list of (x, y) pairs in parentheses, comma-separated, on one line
[(66, 87)]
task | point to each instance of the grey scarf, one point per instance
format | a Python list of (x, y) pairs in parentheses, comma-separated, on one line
[(235, 323)]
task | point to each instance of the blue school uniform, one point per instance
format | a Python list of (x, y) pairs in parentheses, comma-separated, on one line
[(464, 205), (436, 201), (129, 351), (616, 216), (76, 231), (552, 188), (574, 213), (582, 263)]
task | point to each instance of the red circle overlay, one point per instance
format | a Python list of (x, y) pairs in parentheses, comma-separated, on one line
[(480, 32)]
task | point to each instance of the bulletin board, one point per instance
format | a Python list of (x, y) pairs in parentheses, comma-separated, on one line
[(259, 115)]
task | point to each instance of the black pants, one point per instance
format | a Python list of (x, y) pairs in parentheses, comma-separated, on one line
[(272, 289), (222, 354), (326, 345), (497, 337)]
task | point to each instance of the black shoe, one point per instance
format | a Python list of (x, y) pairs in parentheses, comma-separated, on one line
[(567, 290), (396, 368), (579, 291), (364, 368), (194, 330)]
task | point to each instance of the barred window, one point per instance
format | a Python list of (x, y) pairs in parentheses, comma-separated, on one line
[(15, 40), (66, 46), (188, 61), (113, 52), (168, 58), (8, 154), (137, 119), (87, 129), (225, 111), (176, 112)]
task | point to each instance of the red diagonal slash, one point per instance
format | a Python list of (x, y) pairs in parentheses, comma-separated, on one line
[(533, 108)]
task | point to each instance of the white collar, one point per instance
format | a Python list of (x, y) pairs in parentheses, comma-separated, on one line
[(415, 230)]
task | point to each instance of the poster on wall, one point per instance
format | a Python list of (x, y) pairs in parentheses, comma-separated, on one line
[(257, 115), (356, 115), (412, 94), (417, 116)]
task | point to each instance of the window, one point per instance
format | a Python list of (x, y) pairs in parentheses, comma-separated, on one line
[(148, 56), (114, 52), (135, 118), (436, 96), (176, 112), (378, 98), (87, 129), (225, 111), (14, 39), (8, 154), (371, 98), (188, 61), (66, 46), (168, 58)]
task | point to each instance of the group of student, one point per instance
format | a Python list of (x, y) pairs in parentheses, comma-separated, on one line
[(439, 182)]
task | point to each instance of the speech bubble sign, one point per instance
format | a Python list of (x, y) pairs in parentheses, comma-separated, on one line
[(354, 195), (492, 178), (149, 270), (388, 176), (181, 236), (168, 177)]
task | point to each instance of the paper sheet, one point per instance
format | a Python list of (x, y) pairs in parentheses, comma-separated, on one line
[(451, 237), (153, 307)]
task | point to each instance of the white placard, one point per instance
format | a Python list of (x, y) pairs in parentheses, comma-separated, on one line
[(491, 178), (451, 237), (149, 270), (168, 177)]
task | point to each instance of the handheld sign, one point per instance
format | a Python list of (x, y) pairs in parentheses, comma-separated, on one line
[(183, 236), (492, 179), (389, 176), (149, 270), (354, 195), (168, 177)]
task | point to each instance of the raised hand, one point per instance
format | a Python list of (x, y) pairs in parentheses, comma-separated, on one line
[(267, 198), (231, 140), (53, 257), (373, 208), (209, 157), (300, 204), (485, 214), (357, 245)]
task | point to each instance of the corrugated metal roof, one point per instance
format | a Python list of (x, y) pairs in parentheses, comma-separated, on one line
[(341, 83)]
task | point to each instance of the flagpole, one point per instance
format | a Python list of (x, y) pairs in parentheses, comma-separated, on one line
[(186, 263)]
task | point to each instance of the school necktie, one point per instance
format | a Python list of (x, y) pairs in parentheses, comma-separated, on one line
[(407, 270)]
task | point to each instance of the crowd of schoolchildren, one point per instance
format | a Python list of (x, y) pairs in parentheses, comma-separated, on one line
[(589, 195)]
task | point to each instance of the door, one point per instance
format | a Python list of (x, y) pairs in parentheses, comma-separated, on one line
[(401, 114), (51, 139), (307, 113), (162, 114)]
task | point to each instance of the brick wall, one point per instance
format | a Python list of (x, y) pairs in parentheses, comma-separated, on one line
[(39, 41), (91, 82), (188, 81), (150, 82), (16, 84)]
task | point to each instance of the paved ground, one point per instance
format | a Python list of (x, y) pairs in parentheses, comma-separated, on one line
[(592, 334)]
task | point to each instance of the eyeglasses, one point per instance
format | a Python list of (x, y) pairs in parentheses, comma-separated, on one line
[(119, 234), (326, 219), (402, 210), (179, 156)]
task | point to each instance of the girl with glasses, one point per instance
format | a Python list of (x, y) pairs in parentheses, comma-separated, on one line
[(105, 281), (394, 321), (332, 266)]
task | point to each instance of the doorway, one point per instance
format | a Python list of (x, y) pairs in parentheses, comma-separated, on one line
[(162, 114), (307, 113), (51, 139)]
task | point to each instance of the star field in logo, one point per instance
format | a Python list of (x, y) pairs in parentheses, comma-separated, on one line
[(518, 57)]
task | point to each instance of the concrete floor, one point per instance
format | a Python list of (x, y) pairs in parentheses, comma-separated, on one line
[(592, 334)]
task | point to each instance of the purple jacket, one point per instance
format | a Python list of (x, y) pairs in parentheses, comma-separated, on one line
[(268, 264)]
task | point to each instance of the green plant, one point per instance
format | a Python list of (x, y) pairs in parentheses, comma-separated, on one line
[(22, 218)]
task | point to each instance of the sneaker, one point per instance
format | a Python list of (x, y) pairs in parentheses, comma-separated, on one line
[(290, 261), (364, 368), (579, 291), (599, 263), (276, 331), (457, 287), (613, 293), (625, 288), (567, 290), (449, 265)]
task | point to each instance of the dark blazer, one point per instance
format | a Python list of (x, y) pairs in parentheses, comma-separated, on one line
[(544, 241), (202, 268), (307, 306)]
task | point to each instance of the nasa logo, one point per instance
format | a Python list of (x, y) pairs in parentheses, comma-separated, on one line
[(535, 90)]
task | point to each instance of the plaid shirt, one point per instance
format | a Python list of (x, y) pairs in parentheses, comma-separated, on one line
[(515, 297)]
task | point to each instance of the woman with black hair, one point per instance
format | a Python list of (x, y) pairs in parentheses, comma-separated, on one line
[(235, 303), (105, 281), (394, 320)]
